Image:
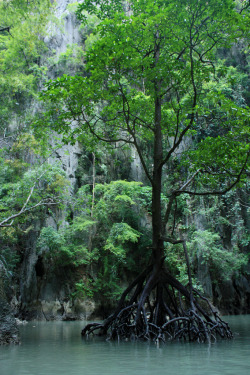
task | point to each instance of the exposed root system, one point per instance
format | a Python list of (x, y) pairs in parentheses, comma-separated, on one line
[(157, 307)]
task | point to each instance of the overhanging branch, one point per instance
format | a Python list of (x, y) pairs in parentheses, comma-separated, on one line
[(216, 192), (5, 222), (172, 240), (2, 29), (9, 220)]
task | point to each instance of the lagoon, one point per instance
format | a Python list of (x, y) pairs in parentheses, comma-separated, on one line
[(57, 348)]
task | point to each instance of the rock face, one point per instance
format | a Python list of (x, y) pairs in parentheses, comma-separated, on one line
[(46, 293), (67, 33), (8, 327), (233, 296)]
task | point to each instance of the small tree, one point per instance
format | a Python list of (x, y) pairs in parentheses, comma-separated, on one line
[(153, 82)]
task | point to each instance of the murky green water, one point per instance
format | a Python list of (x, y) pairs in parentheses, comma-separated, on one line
[(56, 348)]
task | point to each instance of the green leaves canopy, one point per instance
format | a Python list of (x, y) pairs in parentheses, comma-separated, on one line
[(162, 52), (21, 48)]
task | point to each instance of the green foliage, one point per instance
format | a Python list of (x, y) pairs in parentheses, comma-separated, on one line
[(83, 289), (71, 61), (10, 258), (198, 91), (20, 53), (104, 237), (224, 216), (176, 263), (63, 248), (26, 193), (221, 135), (206, 246), (120, 233), (23, 187), (50, 238)]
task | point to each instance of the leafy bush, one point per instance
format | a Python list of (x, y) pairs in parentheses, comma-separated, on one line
[(104, 235)]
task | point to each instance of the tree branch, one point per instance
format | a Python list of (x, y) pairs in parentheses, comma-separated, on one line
[(222, 192), (5, 222), (190, 180), (99, 137), (172, 240), (2, 29)]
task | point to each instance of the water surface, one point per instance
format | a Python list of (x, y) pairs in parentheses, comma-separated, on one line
[(56, 348)]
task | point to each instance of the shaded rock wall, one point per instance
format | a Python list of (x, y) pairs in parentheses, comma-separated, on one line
[(8, 327), (43, 292)]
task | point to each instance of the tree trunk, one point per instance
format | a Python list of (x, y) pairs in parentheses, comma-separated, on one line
[(157, 242)]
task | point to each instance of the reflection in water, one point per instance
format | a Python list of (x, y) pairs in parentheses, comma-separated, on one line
[(53, 348)]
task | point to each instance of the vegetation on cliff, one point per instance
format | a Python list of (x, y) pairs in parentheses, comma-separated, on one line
[(167, 81)]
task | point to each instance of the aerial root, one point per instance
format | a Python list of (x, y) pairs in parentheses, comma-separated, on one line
[(161, 309)]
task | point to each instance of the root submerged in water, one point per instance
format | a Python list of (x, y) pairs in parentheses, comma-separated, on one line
[(157, 307)]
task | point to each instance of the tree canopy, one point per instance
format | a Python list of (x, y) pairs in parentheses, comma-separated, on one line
[(157, 63)]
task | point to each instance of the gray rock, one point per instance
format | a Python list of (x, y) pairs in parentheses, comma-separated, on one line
[(8, 327)]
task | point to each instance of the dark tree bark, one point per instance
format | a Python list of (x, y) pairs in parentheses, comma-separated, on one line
[(2, 29)]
